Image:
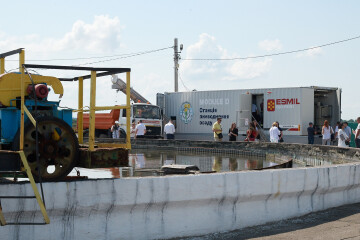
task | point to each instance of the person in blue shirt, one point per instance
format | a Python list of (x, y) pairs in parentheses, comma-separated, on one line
[(311, 133)]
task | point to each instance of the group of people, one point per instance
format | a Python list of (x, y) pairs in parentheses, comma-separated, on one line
[(136, 131), (252, 134), (139, 130), (340, 136)]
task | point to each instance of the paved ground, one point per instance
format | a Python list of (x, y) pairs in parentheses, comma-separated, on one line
[(336, 223)]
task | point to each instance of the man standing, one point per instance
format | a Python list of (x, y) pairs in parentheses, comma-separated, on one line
[(254, 111), (336, 139), (311, 133), (274, 133), (357, 134), (347, 130), (216, 128), (140, 130), (169, 130), (115, 129)]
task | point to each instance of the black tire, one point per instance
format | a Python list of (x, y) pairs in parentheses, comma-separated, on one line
[(122, 133), (62, 153)]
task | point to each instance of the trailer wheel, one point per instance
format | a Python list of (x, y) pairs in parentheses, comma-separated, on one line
[(58, 148), (122, 133)]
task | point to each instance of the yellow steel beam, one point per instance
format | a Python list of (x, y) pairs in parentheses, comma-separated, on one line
[(30, 116), (2, 65), (92, 111), (128, 142), (112, 145), (21, 62), (81, 113), (2, 219), (33, 185), (110, 107), (101, 108)]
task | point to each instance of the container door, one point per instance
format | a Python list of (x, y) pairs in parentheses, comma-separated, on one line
[(339, 102), (243, 116)]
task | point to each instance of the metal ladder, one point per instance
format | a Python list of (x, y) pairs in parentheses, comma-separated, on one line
[(36, 195), (263, 137)]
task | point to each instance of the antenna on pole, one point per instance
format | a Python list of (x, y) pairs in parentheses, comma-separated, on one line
[(176, 63)]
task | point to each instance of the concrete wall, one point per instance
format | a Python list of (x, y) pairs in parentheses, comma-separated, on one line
[(166, 207)]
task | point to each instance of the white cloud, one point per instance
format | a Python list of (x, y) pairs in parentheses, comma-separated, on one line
[(103, 35), (249, 69), (311, 52), (270, 45), (207, 47)]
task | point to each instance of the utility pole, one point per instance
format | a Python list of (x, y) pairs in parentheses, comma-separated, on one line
[(176, 63)]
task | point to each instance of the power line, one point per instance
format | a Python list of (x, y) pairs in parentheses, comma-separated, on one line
[(125, 55), (107, 60), (133, 55), (269, 55), (183, 82)]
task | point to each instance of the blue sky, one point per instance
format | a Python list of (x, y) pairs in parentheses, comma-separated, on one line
[(209, 29)]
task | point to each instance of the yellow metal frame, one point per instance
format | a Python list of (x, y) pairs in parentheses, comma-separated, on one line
[(2, 219), (57, 86), (33, 185), (80, 111), (2, 65), (21, 152), (36, 191), (31, 118), (94, 108)]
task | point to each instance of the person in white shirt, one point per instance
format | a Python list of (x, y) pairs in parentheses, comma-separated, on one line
[(327, 130), (132, 130), (357, 133), (115, 130), (343, 137), (348, 132), (336, 136), (169, 130), (140, 130), (274, 133)]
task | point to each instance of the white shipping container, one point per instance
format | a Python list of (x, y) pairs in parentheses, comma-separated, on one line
[(293, 108)]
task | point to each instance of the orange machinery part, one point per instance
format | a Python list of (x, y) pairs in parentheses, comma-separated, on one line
[(102, 120)]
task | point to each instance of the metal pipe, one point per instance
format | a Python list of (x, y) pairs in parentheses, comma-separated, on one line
[(22, 89), (92, 111), (128, 109), (81, 113), (2, 65)]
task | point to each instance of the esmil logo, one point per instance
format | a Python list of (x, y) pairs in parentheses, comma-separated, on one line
[(282, 103), (186, 112), (271, 105)]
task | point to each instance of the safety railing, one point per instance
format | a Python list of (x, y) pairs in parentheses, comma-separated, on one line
[(94, 108)]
